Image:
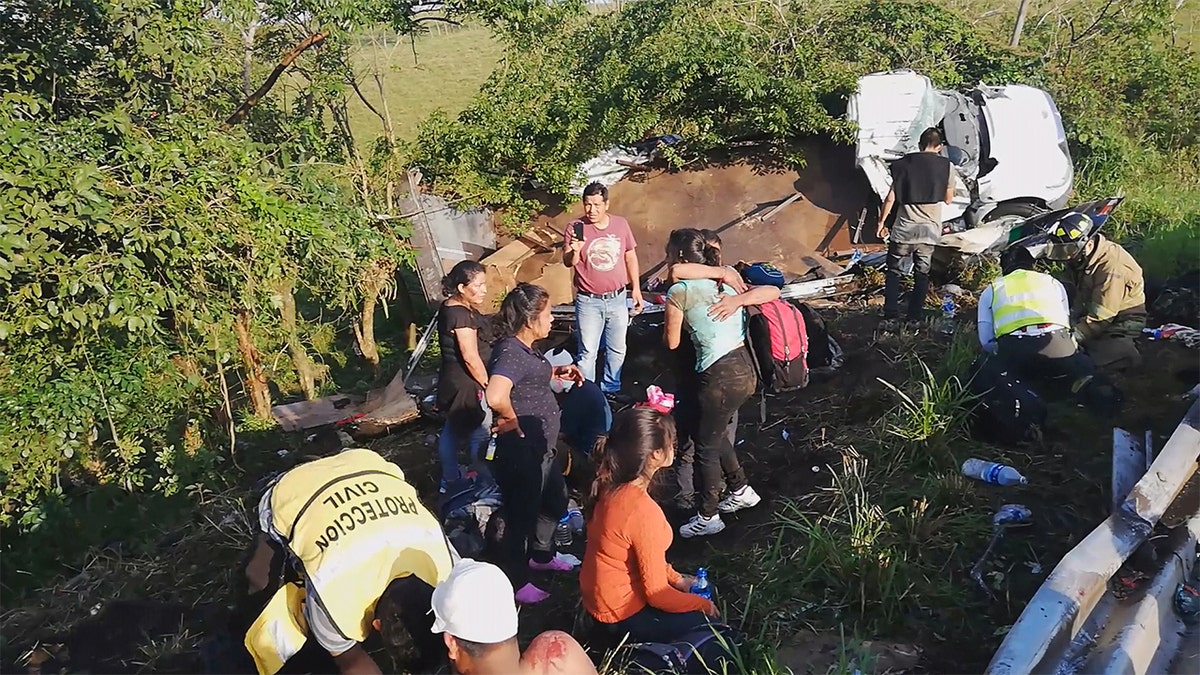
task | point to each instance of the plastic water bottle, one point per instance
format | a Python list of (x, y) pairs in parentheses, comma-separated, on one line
[(992, 472), (1012, 515), (562, 532), (575, 520), (949, 309), (490, 453), (701, 587)]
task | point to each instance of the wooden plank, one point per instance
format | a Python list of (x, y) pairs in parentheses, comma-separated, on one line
[(309, 414), (826, 268), (773, 212)]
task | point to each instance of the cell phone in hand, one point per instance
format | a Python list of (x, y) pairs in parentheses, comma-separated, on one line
[(578, 233)]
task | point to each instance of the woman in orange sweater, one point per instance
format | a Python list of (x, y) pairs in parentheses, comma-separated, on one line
[(626, 581)]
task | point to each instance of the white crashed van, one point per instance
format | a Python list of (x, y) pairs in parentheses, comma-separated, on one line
[(1006, 142)]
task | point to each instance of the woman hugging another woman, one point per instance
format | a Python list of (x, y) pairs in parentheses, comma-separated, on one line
[(714, 315)]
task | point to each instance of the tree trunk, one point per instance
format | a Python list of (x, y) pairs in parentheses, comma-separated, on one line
[(248, 57), (404, 301), (364, 327), (308, 372), (377, 277), (1020, 23), (256, 378)]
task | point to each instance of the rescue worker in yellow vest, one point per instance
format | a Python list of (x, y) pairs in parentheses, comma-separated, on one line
[(346, 547), (1109, 293), (1024, 319)]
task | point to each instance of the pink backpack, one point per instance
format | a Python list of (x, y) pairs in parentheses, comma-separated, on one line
[(777, 338)]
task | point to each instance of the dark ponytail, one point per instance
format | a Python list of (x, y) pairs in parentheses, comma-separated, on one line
[(691, 246), (461, 274), (520, 306), (621, 456)]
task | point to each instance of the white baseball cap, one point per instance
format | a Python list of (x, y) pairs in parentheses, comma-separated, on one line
[(475, 603)]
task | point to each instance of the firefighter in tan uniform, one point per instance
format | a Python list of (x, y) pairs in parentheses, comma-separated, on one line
[(1109, 308), (345, 548)]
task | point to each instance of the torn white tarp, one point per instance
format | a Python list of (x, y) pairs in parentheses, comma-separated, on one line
[(612, 164), (604, 168)]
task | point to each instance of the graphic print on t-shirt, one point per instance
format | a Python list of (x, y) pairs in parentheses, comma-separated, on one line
[(603, 253)]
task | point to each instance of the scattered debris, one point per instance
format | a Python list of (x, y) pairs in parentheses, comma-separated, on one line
[(1190, 337)]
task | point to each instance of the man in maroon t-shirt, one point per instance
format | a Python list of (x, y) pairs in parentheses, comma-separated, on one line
[(601, 249)]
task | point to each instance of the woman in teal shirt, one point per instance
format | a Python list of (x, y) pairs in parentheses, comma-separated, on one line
[(714, 315)]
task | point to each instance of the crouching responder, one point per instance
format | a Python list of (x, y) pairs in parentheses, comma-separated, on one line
[(1110, 295), (345, 548), (475, 613), (1024, 318)]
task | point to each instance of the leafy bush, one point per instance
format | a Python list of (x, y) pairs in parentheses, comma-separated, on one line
[(152, 251)]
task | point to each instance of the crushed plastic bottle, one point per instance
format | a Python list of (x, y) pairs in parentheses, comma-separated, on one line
[(949, 310), (1011, 515), (701, 587), (992, 472), (562, 532)]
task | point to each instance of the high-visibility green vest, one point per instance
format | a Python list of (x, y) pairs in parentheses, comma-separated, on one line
[(353, 525), (1024, 298)]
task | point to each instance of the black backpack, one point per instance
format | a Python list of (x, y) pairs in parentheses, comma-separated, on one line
[(824, 353), (468, 507), (708, 649), (1008, 410)]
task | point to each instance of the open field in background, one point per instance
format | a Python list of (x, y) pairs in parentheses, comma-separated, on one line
[(439, 70)]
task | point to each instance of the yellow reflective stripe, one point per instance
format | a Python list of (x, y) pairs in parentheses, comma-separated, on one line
[(1102, 313), (279, 631), (1025, 298)]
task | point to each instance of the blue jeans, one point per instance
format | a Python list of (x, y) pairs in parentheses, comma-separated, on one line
[(651, 624), (453, 438), (596, 318)]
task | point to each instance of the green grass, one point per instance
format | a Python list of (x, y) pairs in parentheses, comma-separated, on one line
[(1159, 221), (442, 70)]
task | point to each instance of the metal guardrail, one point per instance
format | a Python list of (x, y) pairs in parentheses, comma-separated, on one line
[(1042, 635)]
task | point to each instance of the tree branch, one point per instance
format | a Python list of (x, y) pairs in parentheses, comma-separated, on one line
[(361, 97), (244, 109), (440, 19)]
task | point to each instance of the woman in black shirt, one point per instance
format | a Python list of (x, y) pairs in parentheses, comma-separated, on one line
[(526, 424), (462, 377)]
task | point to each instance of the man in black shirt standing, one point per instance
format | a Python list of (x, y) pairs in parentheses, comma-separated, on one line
[(921, 182)]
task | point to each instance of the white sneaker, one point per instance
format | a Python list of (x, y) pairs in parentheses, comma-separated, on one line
[(736, 501), (699, 526)]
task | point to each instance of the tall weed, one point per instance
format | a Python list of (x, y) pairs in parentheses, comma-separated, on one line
[(932, 414)]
